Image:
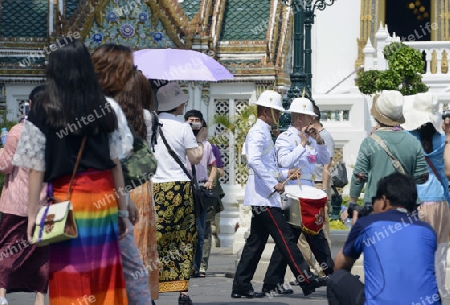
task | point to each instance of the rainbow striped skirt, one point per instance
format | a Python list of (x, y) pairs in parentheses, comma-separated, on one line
[(88, 269)]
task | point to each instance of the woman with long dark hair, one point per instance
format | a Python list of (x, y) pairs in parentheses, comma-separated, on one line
[(136, 99), (423, 121), (72, 108)]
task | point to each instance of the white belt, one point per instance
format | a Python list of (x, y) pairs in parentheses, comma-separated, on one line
[(309, 177), (272, 173)]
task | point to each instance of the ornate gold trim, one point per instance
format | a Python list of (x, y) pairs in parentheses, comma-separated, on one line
[(166, 11), (381, 14)]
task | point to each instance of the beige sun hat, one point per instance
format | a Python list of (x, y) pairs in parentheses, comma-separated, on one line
[(425, 109), (387, 108), (271, 99), (170, 96), (302, 105)]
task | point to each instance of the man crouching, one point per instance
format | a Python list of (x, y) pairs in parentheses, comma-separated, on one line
[(398, 252)]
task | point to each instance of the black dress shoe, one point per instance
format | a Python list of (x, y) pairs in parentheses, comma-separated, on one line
[(250, 294), (184, 300), (278, 290), (314, 282)]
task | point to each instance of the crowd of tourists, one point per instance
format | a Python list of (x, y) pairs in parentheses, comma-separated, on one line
[(128, 242)]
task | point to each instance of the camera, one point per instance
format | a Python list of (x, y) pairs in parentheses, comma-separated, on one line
[(446, 114), (362, 210), (196, 126)]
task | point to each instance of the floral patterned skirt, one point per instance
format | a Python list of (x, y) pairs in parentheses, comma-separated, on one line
[(176, 234)]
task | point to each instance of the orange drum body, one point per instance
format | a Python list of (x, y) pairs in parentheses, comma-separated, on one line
[(306, 207)]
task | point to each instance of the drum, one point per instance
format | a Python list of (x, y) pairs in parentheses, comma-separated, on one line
[(306, 207)]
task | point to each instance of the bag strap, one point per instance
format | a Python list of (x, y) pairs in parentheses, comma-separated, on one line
[(69, 193), (175, 156), (395, 162), (433, 169), (80, 152), (156, 125)]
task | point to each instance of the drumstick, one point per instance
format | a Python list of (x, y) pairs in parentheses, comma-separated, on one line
[(286, 181)]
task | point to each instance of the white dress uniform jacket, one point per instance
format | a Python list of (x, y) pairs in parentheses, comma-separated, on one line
[(264, 173), (291, 154)]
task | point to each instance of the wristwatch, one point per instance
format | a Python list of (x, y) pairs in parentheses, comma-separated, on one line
[(320, 142), (123, 213)]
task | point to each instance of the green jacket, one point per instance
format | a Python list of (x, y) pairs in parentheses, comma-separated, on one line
[(374, 163)]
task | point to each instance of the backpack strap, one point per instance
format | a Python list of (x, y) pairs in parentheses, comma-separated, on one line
[(395, 162), (433, 169)]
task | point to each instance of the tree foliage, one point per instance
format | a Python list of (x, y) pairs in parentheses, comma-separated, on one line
[(235, 127), (404, 74)]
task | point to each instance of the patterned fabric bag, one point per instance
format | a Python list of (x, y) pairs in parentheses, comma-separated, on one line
[(140, 166)]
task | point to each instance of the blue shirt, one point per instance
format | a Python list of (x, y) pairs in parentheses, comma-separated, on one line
[(433, 189), (398, 253)]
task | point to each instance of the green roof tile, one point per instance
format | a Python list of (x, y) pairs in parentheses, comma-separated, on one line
[(190, 7), (245, 20), (23, 18), (71, 6)]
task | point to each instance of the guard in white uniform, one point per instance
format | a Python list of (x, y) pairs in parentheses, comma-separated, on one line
[(262, 193), (300, 147)]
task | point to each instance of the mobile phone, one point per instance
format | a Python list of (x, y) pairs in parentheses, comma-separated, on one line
[(26, 109)]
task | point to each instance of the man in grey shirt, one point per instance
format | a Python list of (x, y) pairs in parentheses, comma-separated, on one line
[(322, 181)]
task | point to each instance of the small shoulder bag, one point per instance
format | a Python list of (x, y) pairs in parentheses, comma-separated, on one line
[(55, 221)]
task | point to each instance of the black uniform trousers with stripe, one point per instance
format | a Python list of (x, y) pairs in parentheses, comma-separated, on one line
[(269, 221), (277, 267)]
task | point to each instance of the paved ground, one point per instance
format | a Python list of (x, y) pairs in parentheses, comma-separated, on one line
[(215, 289)]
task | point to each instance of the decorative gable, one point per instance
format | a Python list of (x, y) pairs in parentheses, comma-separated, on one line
[(136, 23), (131, 26)]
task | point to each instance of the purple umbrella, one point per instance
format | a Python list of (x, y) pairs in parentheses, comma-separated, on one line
[(176, 64)]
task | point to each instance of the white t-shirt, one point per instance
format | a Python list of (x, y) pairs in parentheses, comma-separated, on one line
[(126, 137), (180, 138)]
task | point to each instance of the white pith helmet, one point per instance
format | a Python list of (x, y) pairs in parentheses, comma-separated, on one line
[(271, 99), (302, 105)]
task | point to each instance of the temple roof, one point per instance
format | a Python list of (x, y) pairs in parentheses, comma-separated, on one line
[(71, 6), (190, 7), (23, 18), (245, 20), (250, 37)]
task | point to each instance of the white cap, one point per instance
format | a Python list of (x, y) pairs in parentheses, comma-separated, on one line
[(271, 99), (302, 105)]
